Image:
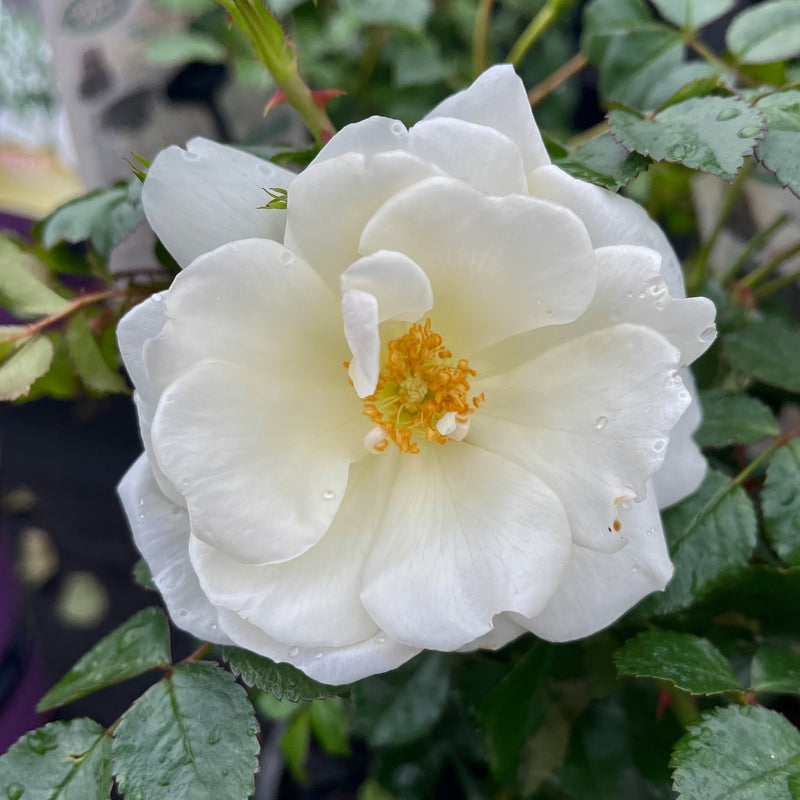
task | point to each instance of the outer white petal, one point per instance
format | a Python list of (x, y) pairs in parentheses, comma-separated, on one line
[(209, 194), (597, 588), (466, 536), (331, 201), (498, 100), (591, 418), (504, 631), (401, 288), (161, 532), (144, 321), (483, 156), (631, 289), (332, 665), (609, 218), (252, 303), (497, 265), (684, 465), (360, 316), (261, 459), (312, 600)]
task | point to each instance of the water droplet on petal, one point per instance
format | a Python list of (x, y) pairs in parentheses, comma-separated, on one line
[(184, 612), (641, 295), (398, 129), (635, 568), (287, 257), (629, 295), (650, 531), (213, 626), (156, 298), (708, 334), (294, 651), (328, 494), (381, 640), (188, 155), (600, 423), (659, 445), (625, 505), (318, 654)]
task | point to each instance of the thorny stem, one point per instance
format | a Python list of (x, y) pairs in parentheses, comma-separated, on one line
[(555, 79), (588, 135), (79, 302), (757, 275), (699, 271), (769, 288), (548, 14), (683, 704), (757, 241), (197, 654), (480, 36), (779, 442)]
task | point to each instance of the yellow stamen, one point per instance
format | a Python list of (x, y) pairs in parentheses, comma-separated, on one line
[(416, 388)]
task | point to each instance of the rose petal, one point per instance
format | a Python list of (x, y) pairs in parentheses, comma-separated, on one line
[(498, 100), (609, 218), (332, 665), (360, 315), (466, 535), (591, 418), (497, 266), (311, 600), (161, 532), (597, 588), (209, 194)]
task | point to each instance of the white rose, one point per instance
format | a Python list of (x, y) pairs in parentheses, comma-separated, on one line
[(513, 337)]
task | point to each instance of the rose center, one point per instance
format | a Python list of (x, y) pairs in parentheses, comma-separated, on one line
[(421, 393)]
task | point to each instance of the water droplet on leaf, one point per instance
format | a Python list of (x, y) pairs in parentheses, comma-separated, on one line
[(749, 132), (728, 113)]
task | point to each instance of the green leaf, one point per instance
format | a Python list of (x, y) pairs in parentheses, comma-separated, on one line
[(138, 645), (402, 705), (90, 365), (21, 291), (765, 33), (695, 79), (61, 761), (693, 14), (283, 681), (780, 150), (710, 535), (142, 575), (513, 710), (733, 418), (780, 499), (295, 743), (738, 753), (59, 381), (193, 734), (415, 62), (688, 661), (712, 134), (329, 726), (181, 47), (604, 161), (189, 7), (767, 351), (775, 670), (26, 361), (104, 217), (410, 14)]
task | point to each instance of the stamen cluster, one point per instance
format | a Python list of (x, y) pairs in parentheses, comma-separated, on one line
[(417, 387)]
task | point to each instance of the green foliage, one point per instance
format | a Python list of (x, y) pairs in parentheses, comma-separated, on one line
[(775, 670), (780, 500), (693, 14), (22, 361), (104, 218), (738, 753), (91, 366), (690, 662), (142, 575), (765, 32), (710, 534), (281, 680), (401, 706), (603, 161), (411, 14), (61, 761), (23, 289), (712, 134), (178, 47), (766, 350), (206, 735), (780, 150), (733, 418), (136, 646)]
